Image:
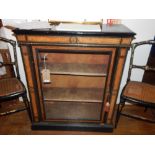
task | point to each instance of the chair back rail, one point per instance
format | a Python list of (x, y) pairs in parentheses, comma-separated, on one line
[(133, 66), (6, 70), (15, 63)]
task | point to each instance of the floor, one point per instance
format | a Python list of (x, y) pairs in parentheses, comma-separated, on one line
[(19, 124)]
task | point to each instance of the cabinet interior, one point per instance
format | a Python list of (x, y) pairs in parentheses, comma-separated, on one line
[(77, 84)]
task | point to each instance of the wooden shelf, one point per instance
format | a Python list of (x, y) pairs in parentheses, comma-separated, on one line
[(73, 95), (77, 69), (72, 111)]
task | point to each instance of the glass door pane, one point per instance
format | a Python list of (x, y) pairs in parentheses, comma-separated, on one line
[(74, 88)]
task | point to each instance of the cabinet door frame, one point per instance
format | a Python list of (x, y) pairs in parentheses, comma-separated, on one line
[(91, 50)]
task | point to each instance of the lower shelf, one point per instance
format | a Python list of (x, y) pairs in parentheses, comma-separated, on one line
[(72, 111), (73, 94), (73, 103)]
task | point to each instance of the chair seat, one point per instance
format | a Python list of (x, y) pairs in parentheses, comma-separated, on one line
[(139, 91), (11, 87)]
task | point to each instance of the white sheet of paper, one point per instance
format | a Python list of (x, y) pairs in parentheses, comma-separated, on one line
[(78, 27)]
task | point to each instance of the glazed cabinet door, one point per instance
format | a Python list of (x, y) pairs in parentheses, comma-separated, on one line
[(73, 83)]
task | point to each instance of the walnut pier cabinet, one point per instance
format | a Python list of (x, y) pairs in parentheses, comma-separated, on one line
[(73, 77)]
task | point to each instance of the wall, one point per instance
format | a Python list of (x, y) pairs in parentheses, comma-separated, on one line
[(144, 28)]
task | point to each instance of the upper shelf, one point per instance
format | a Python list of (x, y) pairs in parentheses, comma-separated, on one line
[(77, 69)]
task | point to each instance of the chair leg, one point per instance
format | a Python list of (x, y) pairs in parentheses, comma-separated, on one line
[(12, 111), (26, 102), (117, 115), (119, 109)]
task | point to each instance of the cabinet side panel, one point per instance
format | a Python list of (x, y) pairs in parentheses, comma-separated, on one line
[(30, 82), (36, 65), (116, 83)]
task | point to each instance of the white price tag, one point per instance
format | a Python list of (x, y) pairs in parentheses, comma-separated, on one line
[(46, 75)]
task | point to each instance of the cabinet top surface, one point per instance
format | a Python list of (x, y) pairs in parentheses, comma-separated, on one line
[(107, 30)]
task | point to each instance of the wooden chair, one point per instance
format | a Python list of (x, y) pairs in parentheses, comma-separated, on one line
[(137, 93), (11, 87)]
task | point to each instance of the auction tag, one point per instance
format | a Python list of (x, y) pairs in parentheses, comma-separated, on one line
[(46, 75)]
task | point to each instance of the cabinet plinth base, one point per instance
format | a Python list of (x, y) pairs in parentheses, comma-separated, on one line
[(72, 126)]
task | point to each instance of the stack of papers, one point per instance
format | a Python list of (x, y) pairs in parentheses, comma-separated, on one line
[(60, 27)]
